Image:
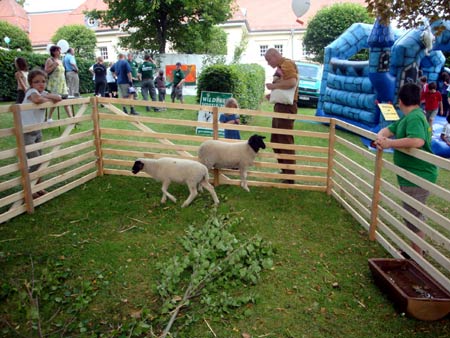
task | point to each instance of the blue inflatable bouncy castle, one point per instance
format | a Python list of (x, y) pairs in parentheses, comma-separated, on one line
[(351, 89)]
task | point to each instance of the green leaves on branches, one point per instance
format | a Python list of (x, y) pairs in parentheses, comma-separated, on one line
[(214, 273)]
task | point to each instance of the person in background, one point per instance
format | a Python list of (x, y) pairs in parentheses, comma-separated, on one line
[(134, 75), (445, 135), (177, 83), (99, 71), (286, 77), (231, 118), (21, 76), (56, 80), (433, 102), (111, 82), (442, 87), (160, 83), (36, 94), (122, 71), (73, 81), (145, 75), (411, 131)]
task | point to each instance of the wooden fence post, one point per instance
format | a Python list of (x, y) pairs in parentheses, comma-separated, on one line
[(376, 194), (331, 145), (97, 135), (216, 137), (22, 157)]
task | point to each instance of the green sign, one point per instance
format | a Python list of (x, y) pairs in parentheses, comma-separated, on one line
[(215, 99)]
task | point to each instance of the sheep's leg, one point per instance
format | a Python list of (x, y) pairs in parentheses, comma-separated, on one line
[(166, 194), (193, 193), (243, 172), (211, 190)]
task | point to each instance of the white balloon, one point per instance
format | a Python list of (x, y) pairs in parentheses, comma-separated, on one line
[(64, 45), (300, 7)]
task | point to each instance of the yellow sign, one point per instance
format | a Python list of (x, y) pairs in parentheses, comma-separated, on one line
[(388, 111)]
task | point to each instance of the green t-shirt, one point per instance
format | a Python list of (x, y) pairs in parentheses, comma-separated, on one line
[(414, 125), (146, 69), (178, 75), (134, 66)]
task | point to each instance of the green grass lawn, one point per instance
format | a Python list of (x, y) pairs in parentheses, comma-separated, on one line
[(90, 257)]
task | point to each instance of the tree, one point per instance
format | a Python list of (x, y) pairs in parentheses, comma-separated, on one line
[(80, 38), (409, 14), (151, 24), (210, 40), (18, 39), (331, 22)]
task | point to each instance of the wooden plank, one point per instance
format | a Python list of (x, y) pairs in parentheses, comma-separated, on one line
[(9, 168), (425, 210), (14, 182), (64, 176), (46, 158), (14, 197), (64, 164), (58, 141), (11, 213), (148, 145), (428, 267), (424, 245), (357, 149), (8, 153), (67, 187), (433, 188), (6, 132)]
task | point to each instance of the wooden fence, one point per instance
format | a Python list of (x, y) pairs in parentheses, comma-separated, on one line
[(104, 140)]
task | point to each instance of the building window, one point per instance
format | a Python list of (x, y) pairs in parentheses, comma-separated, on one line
[(104, 52), (263, 49), (279, 48)]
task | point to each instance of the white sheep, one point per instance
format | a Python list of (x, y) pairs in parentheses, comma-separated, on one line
[(220, 154), (166, 170)]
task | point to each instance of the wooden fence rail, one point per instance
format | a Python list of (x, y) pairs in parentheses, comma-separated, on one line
[(101, 141)]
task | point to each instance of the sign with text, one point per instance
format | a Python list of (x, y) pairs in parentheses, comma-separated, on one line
[(388, 111), (215, 99)]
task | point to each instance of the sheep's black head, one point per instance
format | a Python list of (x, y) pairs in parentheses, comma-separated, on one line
[(256, 142), (137, 167)]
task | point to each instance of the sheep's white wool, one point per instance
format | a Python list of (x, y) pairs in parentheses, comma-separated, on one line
[(220, 154), (169, 170)]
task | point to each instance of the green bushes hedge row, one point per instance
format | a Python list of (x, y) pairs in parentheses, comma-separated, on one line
[(8, 85), (244, 81)]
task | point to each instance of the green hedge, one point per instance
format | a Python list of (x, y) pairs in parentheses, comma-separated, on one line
[(8, 85), (245, 82)]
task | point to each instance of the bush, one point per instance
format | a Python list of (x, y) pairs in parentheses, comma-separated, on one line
[(245, 82), (8, 85), (19, 39)]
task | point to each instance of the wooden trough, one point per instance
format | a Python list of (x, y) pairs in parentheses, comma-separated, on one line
[(411, 289)]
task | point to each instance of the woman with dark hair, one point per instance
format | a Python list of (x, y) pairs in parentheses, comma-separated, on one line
[(21, 76), (56, 78)]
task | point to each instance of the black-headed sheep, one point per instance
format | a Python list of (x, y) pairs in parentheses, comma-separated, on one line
[(168, 170), (220, 154)]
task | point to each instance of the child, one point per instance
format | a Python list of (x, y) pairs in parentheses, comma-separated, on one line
[(445, 135), (21, 78), (160, 83), (231, 118), (36, 94), (411, 131), (433, 101)]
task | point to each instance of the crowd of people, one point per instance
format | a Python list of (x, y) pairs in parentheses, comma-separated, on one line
[(115, 79)]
